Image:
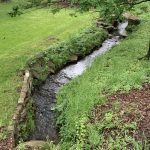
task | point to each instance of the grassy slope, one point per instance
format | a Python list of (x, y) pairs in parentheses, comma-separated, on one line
[(22, 37), (118, 69)]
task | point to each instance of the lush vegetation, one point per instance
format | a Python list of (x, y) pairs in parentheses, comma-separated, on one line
[(76, 100), (56, 57), (118, 69), (109, 10), (22, 37)]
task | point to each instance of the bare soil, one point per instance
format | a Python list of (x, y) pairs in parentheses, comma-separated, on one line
[(5, 143), (134, 106)]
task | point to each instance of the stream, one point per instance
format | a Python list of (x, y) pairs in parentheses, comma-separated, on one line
[(44, 98)]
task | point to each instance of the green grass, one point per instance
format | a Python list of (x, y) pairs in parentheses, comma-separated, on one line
[(21, 38), (142, 10), (118, 69)]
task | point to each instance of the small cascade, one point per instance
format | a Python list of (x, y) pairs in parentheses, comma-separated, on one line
[(122, 28)]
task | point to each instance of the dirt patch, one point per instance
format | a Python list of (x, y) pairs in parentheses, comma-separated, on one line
[(132, 107), (5, 142), (141, 101)]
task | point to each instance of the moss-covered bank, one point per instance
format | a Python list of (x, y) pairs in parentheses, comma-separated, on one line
[(58, 56)]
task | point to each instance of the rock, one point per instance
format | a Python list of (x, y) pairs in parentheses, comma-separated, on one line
[(51, 64), (101, 23), (33, 144), (110, 28), (51, 70), (73, 58), (10, 128), (106, 26), (44, 3), (133, 20), (23, 114), (51, 67), (124, 33), (110, 35)]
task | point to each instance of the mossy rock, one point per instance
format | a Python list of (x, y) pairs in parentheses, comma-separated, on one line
[(33, 144)]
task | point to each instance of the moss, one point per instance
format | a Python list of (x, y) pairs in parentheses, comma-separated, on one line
[(27, 125), (56, 57), (118, 69)]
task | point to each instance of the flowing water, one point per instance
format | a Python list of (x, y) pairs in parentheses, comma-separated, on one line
[(44, 98), (122, 28)]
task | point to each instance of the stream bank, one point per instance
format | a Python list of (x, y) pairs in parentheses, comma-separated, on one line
[(44, 98), (45, 62)]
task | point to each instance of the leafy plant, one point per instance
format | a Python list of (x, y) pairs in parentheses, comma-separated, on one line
[(80, 132), (80, 45), (117, 70), (109, 10), (50, 146), (4, 134), (21, 146), (15, 11)]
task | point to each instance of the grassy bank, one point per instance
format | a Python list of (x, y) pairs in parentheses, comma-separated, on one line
[(24, 36), (56, 57), (118, 69)]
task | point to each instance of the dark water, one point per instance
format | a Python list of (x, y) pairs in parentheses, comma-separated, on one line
[(44, 98)]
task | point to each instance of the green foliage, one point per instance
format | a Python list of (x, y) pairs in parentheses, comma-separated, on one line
[(118, 69), (15, 11), (93, 136), (80, 45), (21, 146), (25, 4), (109, 10), (80, 135), (4, 134), (50, 146), (19, 40), (4, 0), (141, 10)]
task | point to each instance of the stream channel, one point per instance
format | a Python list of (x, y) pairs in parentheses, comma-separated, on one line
[(44, 98)]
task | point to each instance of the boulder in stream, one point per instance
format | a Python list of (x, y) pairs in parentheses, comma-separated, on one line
[(33, 144), (132, 20), (73, 58)]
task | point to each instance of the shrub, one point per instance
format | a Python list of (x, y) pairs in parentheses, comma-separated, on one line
[(26, 4), (15, 11)]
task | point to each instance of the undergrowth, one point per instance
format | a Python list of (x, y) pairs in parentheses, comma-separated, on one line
[(24, 36), (54, 58), (118, 69)]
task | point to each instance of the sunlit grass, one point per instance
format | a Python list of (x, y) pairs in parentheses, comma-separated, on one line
[(118, 69), (23, 36)]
